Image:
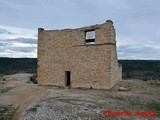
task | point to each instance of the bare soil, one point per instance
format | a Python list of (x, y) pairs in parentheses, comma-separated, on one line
[(31, 101)]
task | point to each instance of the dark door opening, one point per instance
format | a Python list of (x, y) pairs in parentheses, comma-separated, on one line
[(68, 78)]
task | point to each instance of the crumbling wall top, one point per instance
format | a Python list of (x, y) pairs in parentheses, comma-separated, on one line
[(82, 28), (109, 21), (40, 30)]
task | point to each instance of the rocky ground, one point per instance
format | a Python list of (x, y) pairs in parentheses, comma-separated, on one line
[(21, 99)]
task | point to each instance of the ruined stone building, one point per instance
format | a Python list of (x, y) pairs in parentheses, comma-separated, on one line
[(80, 58)]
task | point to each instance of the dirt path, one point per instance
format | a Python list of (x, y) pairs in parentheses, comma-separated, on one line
[(20, 94), (29, 96), (20, 99)]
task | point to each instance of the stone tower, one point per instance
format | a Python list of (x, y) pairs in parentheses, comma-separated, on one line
[(80, 58)]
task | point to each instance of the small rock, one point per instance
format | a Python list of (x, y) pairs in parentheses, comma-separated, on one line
[(157, 82), (4, 79), (123, 89), (151, 82), (2, 82)]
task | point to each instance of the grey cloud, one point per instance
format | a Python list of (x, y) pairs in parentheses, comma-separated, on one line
[(3, 44), (134, 48), (3, 31), (23, 49), (22, 40), (7, 45), (138, 52), (19, 40), (3, 49), (18, 49)]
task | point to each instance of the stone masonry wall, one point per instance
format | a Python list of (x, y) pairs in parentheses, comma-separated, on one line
[(90, 65)]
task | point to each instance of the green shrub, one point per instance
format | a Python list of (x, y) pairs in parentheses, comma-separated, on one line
[(6, 112), (128, 75), (33, 78), (145, 79), (158, 79), (1, 75), (155, 106)]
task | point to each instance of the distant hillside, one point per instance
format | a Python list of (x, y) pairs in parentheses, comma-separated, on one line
[(15, 65), (141, 69), (138, 69)]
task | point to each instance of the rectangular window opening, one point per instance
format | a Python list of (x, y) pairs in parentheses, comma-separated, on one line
[(68, 78), (90, 37)]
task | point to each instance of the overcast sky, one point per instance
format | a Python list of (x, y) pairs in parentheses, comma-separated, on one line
[(137, 24)]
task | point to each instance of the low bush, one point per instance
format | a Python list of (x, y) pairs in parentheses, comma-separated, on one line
[(33, 78), (155, 106)]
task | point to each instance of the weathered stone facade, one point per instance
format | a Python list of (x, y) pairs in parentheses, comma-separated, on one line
[(65, 58)]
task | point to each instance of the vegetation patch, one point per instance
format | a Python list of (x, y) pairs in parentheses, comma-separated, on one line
[(140, 69), (154, 106), (6, 89), (131, 69), (33, 78), (6, 112), (17, 65)]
